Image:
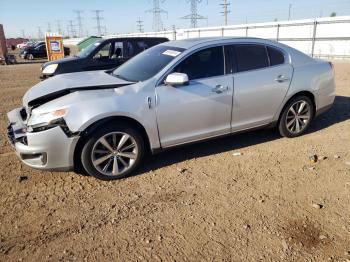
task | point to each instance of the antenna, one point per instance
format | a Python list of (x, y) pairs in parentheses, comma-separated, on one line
[(157, 18), (98, 19), (140, 25), (225, 5), (194, 16), (79, 19)]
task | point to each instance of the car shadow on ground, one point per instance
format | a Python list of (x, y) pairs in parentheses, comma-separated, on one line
[(29, 62), (338, 113)]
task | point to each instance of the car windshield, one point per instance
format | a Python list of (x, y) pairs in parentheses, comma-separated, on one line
[(87, 51), (147, 64)]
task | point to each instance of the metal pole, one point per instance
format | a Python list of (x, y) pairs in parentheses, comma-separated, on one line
[(278, 32), (290, 7), (314, 39)]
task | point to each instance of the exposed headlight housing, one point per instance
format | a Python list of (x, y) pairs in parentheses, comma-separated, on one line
[(50, 69), (45, 119)]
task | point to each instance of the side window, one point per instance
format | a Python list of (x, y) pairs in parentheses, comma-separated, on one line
[(104, 51), (250, 57), (141, 46), (129, 49), (118, 50), (205, 63), (276, 57)]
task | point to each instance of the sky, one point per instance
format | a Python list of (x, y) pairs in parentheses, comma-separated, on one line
[(23, 17)]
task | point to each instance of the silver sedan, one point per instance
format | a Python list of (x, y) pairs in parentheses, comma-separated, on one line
[(172, 94)]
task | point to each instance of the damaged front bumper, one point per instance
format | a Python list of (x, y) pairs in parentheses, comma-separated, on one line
[(50, 149)]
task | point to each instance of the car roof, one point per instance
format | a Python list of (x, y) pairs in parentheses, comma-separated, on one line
[(192, 42), (134, 38)]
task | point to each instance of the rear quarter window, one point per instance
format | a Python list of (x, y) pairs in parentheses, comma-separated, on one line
[(276, 56)]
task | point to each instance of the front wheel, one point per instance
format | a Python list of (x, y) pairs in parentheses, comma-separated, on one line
[(112, 152), (296, 117)]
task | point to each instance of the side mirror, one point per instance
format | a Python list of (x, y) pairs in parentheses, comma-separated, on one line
[(177, 79)]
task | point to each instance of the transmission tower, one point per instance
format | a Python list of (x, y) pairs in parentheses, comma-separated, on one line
[(157, 17), (140, 25), (225, 5), (79, 20), (98, 19), (40, 33), (72, 32), (59, 30), (194, 16), (49, 27)]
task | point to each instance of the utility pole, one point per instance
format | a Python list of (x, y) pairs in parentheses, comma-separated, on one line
[(79, 20), (157, 17), (59, 30), (140, 25), (289, 11), (225, 5), (194, 16), (98, 19)]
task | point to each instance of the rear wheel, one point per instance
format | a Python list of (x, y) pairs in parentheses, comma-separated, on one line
[(112, 152), (30, 57), (296, 117)]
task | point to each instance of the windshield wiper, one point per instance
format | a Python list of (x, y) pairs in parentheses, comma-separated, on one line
[(123, 78)]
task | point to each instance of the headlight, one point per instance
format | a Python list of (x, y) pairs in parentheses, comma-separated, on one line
[(45, 119), (50, 69)]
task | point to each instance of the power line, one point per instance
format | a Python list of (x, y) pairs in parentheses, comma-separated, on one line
[(79, 20), (140, 25), (194, 16), (98, 19), (225, 5), (157, 18)]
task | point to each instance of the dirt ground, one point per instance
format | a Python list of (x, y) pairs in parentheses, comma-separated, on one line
[(197, 203)]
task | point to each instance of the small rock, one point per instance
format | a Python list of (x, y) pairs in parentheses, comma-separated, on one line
[(237, 154), (246, 226), (23, 178), (347, 253), (317, 206), (181, 170), (336, 156), (311, 168), (322, 237), (323, 157), (285, 245), (160, 238), (313, 158), (148, 241)]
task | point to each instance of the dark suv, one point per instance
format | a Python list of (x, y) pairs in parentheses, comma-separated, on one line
[(38, 51), (102, 55)]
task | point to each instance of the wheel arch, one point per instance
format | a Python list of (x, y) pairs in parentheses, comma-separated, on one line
[(107, 120), (300, 93)]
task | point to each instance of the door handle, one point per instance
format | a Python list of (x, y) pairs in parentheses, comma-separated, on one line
[(282, 78), (219, 89)]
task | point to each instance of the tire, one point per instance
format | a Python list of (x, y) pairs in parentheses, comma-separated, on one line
[(30, 57), (112, 152), (293, 123)]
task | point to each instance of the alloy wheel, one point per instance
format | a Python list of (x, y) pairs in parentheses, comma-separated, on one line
[(298, 117), (115, 153)]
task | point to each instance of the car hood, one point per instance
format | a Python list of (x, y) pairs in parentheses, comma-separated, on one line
[(61, 61), (64, 84)]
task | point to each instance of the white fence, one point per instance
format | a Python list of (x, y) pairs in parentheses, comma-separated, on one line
[(320, 37)]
